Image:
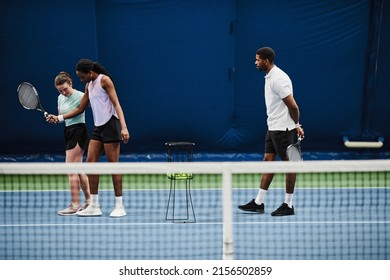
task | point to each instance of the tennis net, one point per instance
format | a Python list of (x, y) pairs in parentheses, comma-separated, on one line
[(341, 212)]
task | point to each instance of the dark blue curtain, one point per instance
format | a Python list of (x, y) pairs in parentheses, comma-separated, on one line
[(184, 70)]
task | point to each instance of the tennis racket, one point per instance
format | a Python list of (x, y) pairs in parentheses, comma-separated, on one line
[(294, 152), (29, 98)]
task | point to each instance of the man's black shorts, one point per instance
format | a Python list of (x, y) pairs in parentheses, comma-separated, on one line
[(276, 142), (109, 132), (76, 134)]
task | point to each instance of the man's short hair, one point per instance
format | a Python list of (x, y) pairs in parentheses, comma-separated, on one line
[(266, 53)]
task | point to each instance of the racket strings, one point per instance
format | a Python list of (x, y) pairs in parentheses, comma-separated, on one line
[(294, 154), (27, 97)]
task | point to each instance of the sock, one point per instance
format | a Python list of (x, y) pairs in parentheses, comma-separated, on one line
[(118, 201), (94, 199), (260, 196), (288, 199)]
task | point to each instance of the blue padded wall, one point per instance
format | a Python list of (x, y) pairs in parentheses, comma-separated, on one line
[(184, 70)]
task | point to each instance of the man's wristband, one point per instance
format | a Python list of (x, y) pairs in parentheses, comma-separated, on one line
[(60, 118), (297, 125)]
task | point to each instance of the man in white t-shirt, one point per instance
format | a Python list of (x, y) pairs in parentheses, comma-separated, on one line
[(283, 124)]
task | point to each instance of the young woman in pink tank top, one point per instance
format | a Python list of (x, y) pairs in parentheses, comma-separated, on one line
[(110, 129)]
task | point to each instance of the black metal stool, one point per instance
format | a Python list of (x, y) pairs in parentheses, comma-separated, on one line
[(180, 152)]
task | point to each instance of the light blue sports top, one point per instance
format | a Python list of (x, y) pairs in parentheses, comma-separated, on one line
[(67, 104)]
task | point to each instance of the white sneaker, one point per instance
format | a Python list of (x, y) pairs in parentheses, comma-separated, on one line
[(119, 211), (85, 205), (91, 210), (70, 210)]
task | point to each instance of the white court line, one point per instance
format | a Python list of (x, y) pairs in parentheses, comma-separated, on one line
[(317, 222), (210, 189), (219, 223)]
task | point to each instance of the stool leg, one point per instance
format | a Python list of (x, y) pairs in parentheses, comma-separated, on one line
[(174, 199), (189, 199), (188, 204), (172, 187)]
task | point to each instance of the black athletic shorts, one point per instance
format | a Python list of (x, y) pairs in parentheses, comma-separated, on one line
[(276, 142), (110, 132), (76, 134)]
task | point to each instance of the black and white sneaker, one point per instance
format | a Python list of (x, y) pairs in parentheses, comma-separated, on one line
[(252, 207), (283, 210)]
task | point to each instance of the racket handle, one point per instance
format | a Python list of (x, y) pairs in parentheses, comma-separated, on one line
[(45, 114)]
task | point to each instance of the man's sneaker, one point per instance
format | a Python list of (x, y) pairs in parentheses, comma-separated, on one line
[(283, 210), (119, 211), (70, 210), (91, 210), (252, 207)]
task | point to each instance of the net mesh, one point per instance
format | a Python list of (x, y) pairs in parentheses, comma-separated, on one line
[(341, 212)]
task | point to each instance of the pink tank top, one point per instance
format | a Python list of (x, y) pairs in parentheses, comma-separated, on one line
[(102, 107)]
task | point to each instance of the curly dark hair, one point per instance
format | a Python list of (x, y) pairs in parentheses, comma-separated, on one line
[(86, 65)]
